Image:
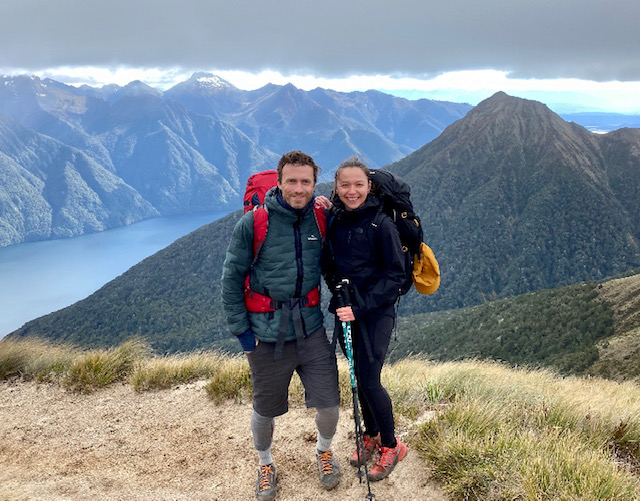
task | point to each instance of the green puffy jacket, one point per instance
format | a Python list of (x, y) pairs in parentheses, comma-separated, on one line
[(288, 266)]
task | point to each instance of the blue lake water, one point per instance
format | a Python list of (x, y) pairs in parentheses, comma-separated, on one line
[(37, 278)]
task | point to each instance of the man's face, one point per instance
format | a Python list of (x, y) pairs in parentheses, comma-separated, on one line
[(297, 185)]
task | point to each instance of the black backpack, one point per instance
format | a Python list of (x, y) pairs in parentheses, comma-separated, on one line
[(395, 195)]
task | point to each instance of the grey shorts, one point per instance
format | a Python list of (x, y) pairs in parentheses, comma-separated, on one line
[(317, 368)]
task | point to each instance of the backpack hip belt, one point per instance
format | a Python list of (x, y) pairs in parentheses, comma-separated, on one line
[(259, 303)]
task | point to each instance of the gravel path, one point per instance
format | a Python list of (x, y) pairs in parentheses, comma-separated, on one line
[(177, 444)]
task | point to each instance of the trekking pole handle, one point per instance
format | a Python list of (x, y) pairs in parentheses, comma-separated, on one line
[(343, 295)]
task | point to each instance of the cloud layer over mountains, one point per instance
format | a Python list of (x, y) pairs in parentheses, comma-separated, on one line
[(584, 39)]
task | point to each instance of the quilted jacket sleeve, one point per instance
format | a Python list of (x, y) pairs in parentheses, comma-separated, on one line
[(236, 267)]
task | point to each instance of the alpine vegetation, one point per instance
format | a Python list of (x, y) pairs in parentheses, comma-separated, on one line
[(485, 430)]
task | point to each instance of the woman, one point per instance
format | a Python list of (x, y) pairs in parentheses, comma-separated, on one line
[(371, 258)]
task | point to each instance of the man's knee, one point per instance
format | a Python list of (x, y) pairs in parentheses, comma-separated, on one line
[(262, 429), (329, 412), (327, 420)]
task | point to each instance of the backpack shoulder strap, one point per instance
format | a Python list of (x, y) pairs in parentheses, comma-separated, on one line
[(260, 226), (375, 224), (328, 234), (321, 220)]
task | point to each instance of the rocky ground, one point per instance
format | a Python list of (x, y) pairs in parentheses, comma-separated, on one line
[(117, 444)]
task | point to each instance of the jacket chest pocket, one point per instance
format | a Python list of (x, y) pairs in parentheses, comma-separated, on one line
[(357, 240)]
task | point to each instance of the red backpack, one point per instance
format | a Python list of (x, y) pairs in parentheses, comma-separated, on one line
[(257, 186)]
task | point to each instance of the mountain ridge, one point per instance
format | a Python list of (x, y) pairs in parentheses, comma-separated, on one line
[(506, 205), (523, 196), (192, 147), (41, 169)]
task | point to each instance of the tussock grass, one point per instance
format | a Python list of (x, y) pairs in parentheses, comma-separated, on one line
[(409, 389), (159, 373), (230, 380), (76, 369), (34, 359), (499, 433), (530, 434), (99, 368)]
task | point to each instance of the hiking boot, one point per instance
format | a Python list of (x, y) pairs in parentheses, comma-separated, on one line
[(371, 446), (387, 460), (266, 485), (329, 471)]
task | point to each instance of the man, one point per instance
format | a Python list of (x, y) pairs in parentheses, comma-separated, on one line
[(291, 335)]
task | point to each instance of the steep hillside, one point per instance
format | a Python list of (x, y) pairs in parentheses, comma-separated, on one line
[(513, 200), (619, 356), (51, 190), (589, 328), (189, 149), (172, 299), (557, 328)]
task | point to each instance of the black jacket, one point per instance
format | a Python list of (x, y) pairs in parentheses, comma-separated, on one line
[(371, 257)]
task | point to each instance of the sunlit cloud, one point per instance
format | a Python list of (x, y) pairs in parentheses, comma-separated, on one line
[(562, 95), (96, 76)]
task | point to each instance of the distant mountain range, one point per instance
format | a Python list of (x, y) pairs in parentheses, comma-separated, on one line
[(602, 122), (513, 200), (76, 160)]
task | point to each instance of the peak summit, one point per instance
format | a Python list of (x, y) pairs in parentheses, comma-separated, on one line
[(501, 100), (210, 80)]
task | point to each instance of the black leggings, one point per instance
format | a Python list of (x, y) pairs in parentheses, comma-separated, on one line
[(377, 409)]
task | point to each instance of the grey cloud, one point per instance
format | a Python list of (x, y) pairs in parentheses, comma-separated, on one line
[(588, 39)]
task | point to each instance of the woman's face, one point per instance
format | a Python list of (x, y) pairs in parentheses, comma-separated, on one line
[(352, 187)]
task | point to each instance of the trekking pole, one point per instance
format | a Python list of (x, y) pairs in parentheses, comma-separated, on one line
[(342, 292)]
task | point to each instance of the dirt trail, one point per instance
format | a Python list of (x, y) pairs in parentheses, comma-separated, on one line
[(177, 444)]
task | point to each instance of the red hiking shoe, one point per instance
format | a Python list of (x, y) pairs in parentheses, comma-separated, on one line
[(371, 446), (387, 460)]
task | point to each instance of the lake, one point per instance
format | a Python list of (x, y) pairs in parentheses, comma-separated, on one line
[(37, 278)]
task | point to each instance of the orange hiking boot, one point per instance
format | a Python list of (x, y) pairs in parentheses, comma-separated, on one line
[(266, 485), (371, 446), (387, 460)]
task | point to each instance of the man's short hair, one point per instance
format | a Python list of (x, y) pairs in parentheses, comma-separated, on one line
[(297, 157)]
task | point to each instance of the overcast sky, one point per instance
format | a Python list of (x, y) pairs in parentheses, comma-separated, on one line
[(584, 50)]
